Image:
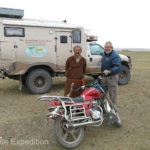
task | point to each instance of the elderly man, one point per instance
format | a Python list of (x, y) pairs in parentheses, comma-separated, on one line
[(111, 65), (75, 70)]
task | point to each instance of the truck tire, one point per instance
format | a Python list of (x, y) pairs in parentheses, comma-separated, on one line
[(124, 75), (39, 81)]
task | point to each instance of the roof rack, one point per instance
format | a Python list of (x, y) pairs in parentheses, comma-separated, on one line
[(11, 13)]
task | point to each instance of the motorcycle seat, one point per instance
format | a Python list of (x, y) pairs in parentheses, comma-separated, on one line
[(78, 99)]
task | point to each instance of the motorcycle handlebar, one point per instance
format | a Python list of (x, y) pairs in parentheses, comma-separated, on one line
[(82, 87), (93, 82)]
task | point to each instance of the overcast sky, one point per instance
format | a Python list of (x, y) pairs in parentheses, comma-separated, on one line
[(124, 22)]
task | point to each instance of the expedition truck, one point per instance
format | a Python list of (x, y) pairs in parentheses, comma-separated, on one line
[(34, 51)]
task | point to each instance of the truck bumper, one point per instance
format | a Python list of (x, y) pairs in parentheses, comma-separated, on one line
[(130, 62)]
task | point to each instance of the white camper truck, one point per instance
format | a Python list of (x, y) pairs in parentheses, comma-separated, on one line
[(34, 51)]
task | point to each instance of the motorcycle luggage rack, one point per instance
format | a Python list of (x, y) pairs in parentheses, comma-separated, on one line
[(77, 112), (79, 118)]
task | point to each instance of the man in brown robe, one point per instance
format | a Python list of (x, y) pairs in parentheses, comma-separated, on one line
[(75, 70)]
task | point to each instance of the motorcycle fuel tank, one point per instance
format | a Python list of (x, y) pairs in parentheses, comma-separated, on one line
[(91, 93)]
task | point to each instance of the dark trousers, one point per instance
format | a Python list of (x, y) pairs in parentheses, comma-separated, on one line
[(112, 87)]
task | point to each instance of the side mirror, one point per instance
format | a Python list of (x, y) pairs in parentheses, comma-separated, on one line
[(101, 53)]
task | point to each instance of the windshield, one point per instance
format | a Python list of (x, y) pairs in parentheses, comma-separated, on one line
[(96, 49)]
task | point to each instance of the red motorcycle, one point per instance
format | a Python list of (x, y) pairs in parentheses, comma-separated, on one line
[(72, 115)]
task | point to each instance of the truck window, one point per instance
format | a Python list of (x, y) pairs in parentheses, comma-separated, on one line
[(14, 32), (76, 36), (96, 49), (63, 39)]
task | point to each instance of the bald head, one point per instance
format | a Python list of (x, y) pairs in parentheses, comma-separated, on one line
[(77, 50)]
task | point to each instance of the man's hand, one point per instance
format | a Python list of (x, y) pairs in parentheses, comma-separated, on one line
[(107, 72)]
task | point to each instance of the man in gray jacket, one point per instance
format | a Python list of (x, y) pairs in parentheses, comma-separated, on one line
[(111, 65)]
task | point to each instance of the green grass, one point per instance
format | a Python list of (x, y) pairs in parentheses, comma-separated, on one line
[(24, 118)]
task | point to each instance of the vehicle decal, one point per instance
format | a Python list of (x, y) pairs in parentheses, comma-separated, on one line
[(36, 51)]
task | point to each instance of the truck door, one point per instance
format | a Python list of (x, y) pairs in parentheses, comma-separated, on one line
[(7, 53), (94, 58), (8, 45), (63, 49)]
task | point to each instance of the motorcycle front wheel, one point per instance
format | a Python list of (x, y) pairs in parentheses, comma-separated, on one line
[(68, 137), (119, 121)]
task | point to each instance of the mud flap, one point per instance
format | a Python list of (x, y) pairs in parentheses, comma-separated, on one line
[(2, 75), (20, 84)]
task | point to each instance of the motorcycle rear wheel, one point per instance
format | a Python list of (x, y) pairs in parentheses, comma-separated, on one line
[(68, 137)]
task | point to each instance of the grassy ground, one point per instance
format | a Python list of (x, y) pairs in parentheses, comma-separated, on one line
[(22, 117)]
